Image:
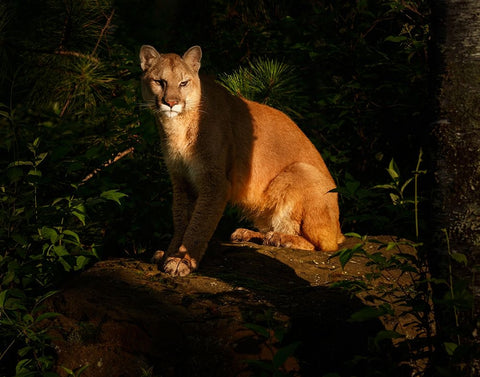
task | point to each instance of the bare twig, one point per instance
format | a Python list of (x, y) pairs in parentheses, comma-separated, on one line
[(8, 348), (108, 163), (67, 102), (374, 25), (107, 24)]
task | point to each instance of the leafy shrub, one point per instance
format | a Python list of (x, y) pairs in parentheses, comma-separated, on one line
[(44, 229)]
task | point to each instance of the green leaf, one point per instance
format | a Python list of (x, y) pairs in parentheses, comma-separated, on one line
[(391, 245), (396, 38), (437, 281), (3, 297), (23, 351), (386, 334), (283, 354), (80, 370), (260, 330), (386, 186), (8, 277), (69, 371), (404, 186), (60, 250), (48, 233), (79, 212), (345, 256), (34, 172), (81, 262), (114, 195), (450, 348), (45, 361), (22, 367), (351, 285), (42, 298), (395, 198), (58, 200), (5, 114), (393, 170), (40, 158), (66, 266), (20, 163), (18, 238), (28, 318), (72, 234), (370, 312), (460, 258), (377, 258)]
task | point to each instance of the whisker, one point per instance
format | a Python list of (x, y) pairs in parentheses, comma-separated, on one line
[(148, 105)]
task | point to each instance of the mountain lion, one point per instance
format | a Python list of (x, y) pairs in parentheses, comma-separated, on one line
[(219, 148)]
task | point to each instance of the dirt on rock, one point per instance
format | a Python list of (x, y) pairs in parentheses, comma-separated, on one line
[(248, 310)]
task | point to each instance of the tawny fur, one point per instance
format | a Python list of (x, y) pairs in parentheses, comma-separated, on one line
[(220, 148)]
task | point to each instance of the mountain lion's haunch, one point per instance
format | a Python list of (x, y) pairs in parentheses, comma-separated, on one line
[(220, 148)]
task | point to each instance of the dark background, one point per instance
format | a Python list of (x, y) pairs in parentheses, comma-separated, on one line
[(70, 103), (360, 70)]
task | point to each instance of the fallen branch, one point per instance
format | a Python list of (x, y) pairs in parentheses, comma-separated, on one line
[(106, 164)]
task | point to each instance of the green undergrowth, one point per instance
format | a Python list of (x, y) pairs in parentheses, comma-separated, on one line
[(46, 233), (440, 348)]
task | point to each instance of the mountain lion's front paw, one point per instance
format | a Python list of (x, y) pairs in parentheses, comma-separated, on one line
[(179, 266)]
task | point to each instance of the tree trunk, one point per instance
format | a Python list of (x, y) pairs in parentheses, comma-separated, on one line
[(456, 30), (457, 131)]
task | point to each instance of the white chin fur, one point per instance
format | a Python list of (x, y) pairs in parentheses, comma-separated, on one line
[(171, 112)]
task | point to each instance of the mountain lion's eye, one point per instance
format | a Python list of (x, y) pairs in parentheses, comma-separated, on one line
[(160, 82), (184, 83)]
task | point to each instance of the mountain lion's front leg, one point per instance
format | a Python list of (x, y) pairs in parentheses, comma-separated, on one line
[(208, 210), (182, 209), (183, 205)]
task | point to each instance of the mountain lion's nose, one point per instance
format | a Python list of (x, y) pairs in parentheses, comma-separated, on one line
[(170, 102)]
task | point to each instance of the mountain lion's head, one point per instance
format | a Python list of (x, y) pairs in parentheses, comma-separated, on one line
[(170, 83)]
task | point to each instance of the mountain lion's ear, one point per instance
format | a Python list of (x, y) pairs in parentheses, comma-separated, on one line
[(148, 54), (192, 57)]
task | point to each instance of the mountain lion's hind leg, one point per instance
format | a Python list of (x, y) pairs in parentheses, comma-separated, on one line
[(297, 214), (271, 239), (247, 235), (302, 216), (290, 241)]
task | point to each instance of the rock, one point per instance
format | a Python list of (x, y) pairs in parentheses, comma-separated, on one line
[(248, 307)]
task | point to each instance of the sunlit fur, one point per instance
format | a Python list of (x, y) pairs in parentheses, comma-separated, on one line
[(220, 148)]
